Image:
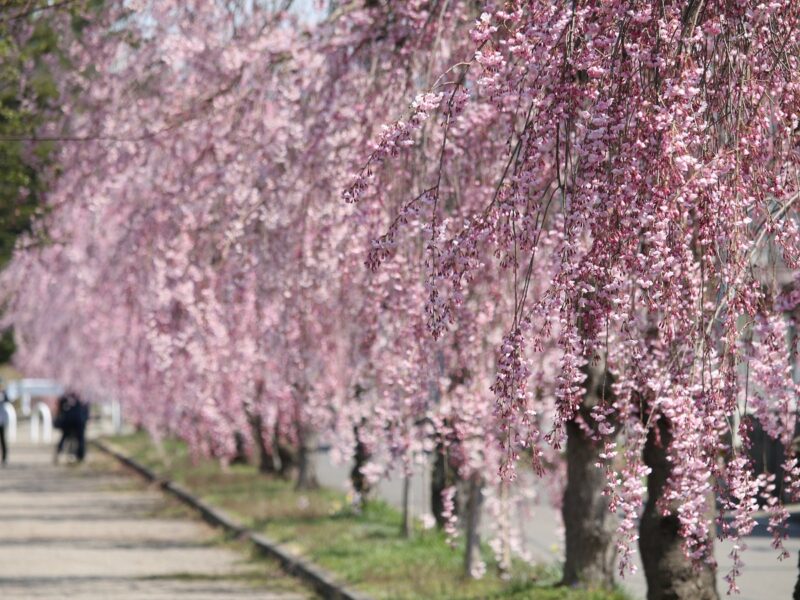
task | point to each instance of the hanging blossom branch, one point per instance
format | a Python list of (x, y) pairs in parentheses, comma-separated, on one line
[(651, 160), (393, 139)]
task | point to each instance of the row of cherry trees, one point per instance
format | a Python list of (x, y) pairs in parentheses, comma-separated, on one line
[(487, 231)]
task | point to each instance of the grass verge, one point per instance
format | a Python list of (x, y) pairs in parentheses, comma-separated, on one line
[(363, 549)]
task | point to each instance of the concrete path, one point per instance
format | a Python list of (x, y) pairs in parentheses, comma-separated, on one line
[(93, 531)]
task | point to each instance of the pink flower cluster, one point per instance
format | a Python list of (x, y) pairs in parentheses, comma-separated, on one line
[(588, 216)]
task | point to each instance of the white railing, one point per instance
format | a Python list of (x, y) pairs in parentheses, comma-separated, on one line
[(26, 389)]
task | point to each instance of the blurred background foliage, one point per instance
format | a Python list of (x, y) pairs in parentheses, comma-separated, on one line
[(30, 53)]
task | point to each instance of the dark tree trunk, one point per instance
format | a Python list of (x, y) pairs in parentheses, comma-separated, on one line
[(589, 525), (288, 460), (267, 465), (266, 453), (472, 550), (442, 477), (794, 360), (266, 456), (286, 455), (360, 484), (240, 457), (796, 595), (670, 575), (306, 469)]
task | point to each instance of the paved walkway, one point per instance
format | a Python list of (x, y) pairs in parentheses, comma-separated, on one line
[(94, 532)]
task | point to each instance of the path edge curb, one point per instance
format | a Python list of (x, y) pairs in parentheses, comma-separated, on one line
[(316, 577)]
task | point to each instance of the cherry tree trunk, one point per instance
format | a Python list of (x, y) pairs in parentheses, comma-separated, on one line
[(240, 457), (306, 469), (442, 477), (361, 485), (267, 461), (796, 594), (472, 550), (288, 460), (286, 455), (670, 575), (589, 525), (793, 318), (266, 455)]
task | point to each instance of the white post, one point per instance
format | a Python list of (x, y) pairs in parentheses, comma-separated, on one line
[(47, 423), (35, 427), (42, 413), (116, 415), (25, 404), (11, 421)]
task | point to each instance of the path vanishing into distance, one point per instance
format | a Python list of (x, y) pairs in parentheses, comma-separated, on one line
[(94, 531)]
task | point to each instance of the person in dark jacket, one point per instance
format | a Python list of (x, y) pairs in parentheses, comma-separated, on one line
[(80, 431), (73, 415), (3, 423)]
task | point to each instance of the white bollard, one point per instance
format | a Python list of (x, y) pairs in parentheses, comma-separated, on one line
[(25, 404), (35, 427), (116, 416), (42, 413), (11, 421)]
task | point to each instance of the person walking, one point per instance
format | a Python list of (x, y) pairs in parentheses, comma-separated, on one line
[(67, 419), (4, 401), (80, 428), (71, 419)]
